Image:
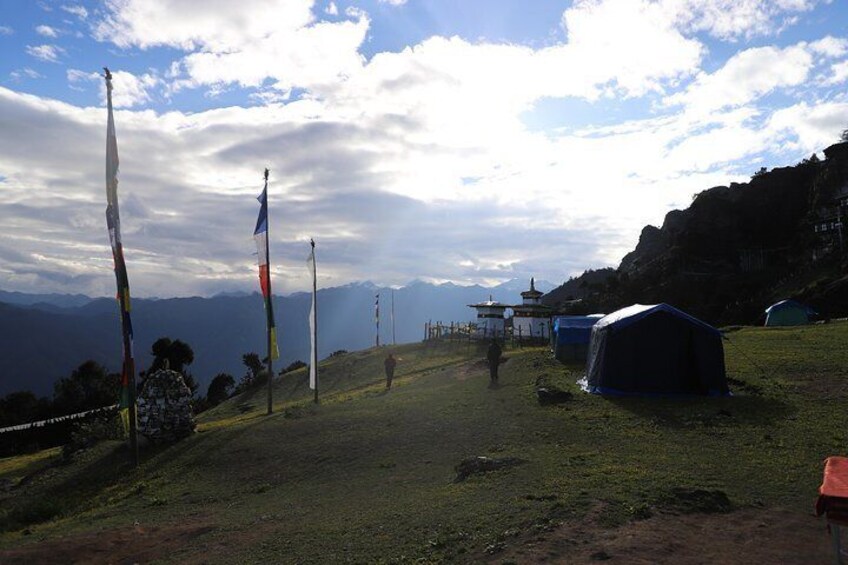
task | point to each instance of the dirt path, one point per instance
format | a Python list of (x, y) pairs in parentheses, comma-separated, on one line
[(750, 536), (127, 545), (746, 537)]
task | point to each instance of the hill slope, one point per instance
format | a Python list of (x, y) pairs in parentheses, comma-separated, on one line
[(368, 476)]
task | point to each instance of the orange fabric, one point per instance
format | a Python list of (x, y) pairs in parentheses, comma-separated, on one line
[(835, 477), (833, 492)]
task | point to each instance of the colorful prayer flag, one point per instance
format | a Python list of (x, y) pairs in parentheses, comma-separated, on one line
[(260, 235), (113, 222)]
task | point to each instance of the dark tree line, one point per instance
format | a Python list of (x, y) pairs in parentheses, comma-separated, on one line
[(91, 385)]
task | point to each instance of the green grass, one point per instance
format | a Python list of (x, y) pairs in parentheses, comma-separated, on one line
[(367, 476), (16, 468)]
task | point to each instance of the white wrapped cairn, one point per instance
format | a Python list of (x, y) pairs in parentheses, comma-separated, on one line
[(164, 408)]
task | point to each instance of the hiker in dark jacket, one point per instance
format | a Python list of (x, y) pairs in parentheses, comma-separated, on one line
[(493, 355), (390, 364)]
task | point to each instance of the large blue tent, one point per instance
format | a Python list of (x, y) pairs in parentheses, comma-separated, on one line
[(655, 350)]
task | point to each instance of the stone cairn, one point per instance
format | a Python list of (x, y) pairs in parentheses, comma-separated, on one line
[(164, 408)]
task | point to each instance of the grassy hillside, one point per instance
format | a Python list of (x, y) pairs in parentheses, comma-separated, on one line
[(368, 475)]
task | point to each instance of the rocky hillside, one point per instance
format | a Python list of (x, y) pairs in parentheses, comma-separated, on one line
[(739, 248)]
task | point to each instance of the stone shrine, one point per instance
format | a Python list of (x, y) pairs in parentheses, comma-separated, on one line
[(164, 408)]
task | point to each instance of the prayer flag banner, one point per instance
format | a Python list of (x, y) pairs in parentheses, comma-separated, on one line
[(313, 352), (113, 222), (260, 235)]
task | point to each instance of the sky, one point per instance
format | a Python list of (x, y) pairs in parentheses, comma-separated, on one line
[(472, 142)]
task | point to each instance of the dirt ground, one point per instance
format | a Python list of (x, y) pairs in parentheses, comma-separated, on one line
[(136, 544), (749, 536)]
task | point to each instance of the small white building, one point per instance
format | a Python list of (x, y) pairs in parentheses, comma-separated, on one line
[(490, 318), (531, 319)]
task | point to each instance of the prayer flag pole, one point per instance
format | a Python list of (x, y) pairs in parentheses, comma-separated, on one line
[(127, 402), (377, 317), (260, 235), (313, 322), (394, 342)]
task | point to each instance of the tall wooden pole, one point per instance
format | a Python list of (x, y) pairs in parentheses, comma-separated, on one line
[(270, 306), (113, 223), (394, 342), (315, 321), (377, 318)]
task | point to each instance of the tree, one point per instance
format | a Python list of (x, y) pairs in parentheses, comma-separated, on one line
[(89, 386), (220, 388), (255, 372), (253, 363), (177, 352), (844, 136), (22, 407)]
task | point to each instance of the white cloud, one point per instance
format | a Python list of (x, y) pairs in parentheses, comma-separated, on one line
[(830, 46), (732, 19), (393, 2), (807, 128), (839, 73), (46, 31), (18, 74), (744, 77), (48, 53), (332, 9), (129, 90), (243, 43), (392, 160), (76, 10), (188, 25), (6, 30), (631, 42)]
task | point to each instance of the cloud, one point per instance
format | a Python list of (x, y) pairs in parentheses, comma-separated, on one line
[(633, 43), (804, 128), (188, 25), (746, 76), (733, 19), (47, 53), (243, 44), (18, 74), (393, 2), (830, 46), (415, 163), (331, 9), (839, 73), (6, 30), (129, 90), (76, 10), (46, 31)]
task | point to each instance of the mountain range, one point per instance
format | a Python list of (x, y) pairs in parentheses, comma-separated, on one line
[(44, 337)]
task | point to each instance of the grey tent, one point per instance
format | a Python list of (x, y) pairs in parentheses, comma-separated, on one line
[(655, 350)]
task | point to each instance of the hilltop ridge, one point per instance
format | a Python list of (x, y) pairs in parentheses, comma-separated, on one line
[(738, 248)]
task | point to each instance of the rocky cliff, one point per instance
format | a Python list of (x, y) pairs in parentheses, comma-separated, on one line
[(739, 248)]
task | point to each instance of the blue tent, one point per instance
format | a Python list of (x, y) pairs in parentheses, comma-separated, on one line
[(655, 350), (789, 313), (571, 336)]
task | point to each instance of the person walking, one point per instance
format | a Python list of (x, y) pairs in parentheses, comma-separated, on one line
[(493, 356), (390, 364)]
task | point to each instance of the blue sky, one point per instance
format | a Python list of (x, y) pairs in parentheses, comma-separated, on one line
[(473, 141)]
